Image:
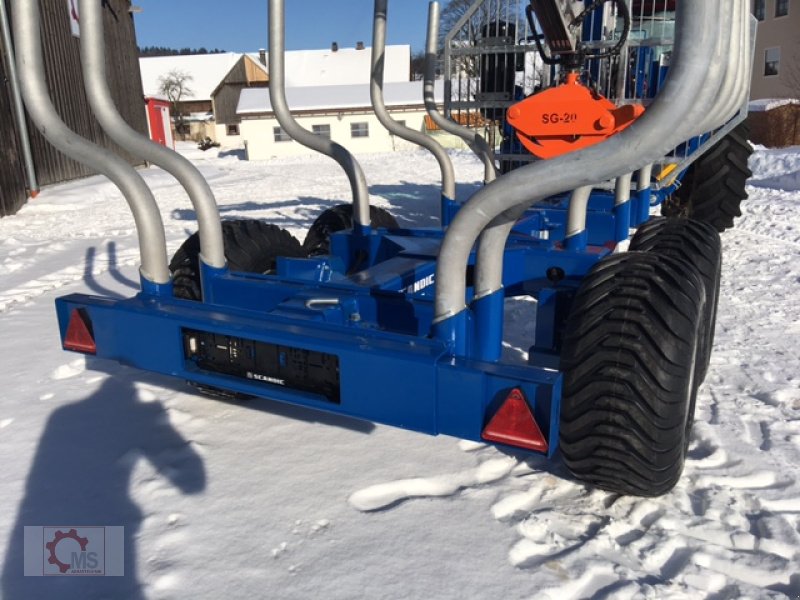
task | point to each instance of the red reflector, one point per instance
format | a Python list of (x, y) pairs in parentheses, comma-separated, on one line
[(79, 335), (514, 425)]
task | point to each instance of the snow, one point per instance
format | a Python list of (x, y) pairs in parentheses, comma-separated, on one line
[(336, 97), (256, 499), (346, 66), (767, 104), (777, 168)]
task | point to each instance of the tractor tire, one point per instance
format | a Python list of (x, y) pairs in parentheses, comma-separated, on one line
[(628, 362), (697, 244), (250, 246), (714, 186), (339, 218)]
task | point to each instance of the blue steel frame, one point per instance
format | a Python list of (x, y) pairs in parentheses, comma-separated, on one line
[(370, 304)]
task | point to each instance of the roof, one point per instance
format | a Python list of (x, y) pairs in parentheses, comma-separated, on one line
[(253, 101), (206, 71), (303, 68), (344, 67)]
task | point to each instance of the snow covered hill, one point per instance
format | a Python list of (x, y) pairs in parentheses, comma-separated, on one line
[(260, 500)]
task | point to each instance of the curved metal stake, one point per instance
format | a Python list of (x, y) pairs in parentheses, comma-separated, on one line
[(277, 95), (513, 196), (655, 133), (149, 226), (378, 105), (473, 139), (622, 207), (576, 237), (94, 78), (644, 191)]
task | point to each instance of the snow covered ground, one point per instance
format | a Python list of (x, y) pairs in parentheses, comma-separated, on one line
[(260, 500)]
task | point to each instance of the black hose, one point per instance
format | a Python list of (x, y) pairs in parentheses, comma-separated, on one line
[(537, 38), (575, 60), (622, 9)]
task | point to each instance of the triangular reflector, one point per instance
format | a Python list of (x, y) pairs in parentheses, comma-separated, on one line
[(79, 336), (514, 425)]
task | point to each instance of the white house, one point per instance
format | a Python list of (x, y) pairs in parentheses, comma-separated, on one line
[(342, 113)]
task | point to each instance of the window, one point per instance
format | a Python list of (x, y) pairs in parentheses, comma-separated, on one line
[(359, 130), (772, 61), (322, 131), (280, 135), (781, 8), (233, 129), (760, 9)]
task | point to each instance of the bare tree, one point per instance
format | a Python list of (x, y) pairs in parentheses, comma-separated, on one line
[(490, 11), (418, 65), (175, 86), (488, 19)]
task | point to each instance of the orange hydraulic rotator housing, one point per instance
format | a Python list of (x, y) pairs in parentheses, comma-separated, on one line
[(568, 117)]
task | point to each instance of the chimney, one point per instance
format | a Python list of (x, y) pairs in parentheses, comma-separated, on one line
[(334, 47), (359, 45), (262, 56)]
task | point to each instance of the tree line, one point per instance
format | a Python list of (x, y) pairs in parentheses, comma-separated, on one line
[(164, 51)]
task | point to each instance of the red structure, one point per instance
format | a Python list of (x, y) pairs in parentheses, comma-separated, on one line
[(159, 122)]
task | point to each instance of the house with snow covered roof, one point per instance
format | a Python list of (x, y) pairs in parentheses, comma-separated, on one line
[(342, 113), (218, 79), (335, 66), (205, 72)]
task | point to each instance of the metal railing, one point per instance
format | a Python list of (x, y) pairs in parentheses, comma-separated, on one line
[(686, 104), (489, 61)]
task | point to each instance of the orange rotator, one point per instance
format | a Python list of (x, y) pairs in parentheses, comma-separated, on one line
[(568, 117)]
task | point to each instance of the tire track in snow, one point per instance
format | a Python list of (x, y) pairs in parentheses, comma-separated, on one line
[(697, 537)]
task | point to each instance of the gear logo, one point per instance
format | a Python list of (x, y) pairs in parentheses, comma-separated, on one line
[(59, 536), (74, 550)]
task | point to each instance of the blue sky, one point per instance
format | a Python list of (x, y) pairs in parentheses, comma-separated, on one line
[(241, 25)]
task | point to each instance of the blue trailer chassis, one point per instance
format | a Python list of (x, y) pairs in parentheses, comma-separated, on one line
[(352, 332)]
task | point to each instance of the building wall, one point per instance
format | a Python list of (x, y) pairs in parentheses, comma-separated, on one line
[(783, 34), (258, 133), (12, 175), (244, 73), (225, 140), (64, 77)]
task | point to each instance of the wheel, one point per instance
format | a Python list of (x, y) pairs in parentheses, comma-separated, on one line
[(714, 186), (250, 246), (628, 361), (339, 218), (697, 244)]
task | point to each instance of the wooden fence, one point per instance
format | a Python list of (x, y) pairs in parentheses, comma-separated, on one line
[(64, 77)]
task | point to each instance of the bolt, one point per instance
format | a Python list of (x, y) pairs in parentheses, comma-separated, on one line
[(605, 122), (555, 274)]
